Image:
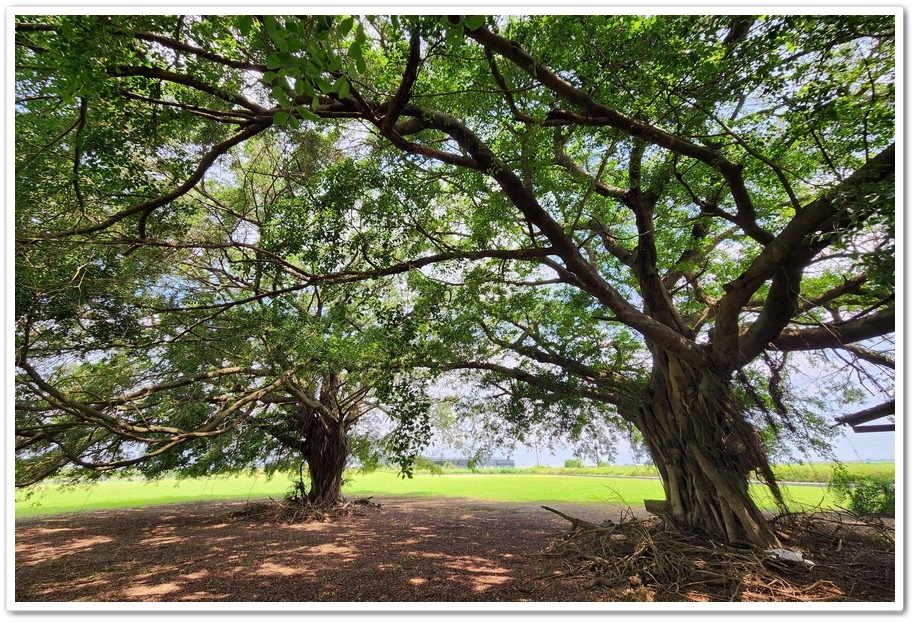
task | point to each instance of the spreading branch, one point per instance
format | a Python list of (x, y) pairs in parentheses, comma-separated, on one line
[(837, 334), (806, 234)]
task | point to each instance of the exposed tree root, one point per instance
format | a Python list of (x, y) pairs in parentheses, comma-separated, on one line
[(302, 512), (643, 560)]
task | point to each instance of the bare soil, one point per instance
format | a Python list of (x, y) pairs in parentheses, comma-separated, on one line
[(424, 550)]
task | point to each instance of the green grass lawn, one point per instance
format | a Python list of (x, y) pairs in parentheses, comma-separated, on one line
[(119, 493), (510, 487)]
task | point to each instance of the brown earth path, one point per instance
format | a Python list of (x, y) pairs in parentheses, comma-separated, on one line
[(408, 550), (429, 550)]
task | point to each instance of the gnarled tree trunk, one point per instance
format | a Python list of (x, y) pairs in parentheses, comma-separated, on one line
[(705, 452), (326, 453), (318, 432)]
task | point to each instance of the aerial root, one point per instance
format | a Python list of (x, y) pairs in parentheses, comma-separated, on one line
[(644, 560)]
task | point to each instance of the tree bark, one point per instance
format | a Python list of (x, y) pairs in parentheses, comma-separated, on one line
[(321, 440), (325, 452), (705, 452)]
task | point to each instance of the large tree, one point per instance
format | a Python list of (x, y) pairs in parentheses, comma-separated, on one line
[(649, 212), (211, 348)]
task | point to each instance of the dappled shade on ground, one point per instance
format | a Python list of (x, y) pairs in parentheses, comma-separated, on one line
[(407, 550)]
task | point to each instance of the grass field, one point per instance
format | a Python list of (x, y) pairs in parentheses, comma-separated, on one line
[(535, 486)]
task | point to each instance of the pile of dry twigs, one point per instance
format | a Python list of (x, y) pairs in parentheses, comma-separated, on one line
[(296, 511), (643, 560)]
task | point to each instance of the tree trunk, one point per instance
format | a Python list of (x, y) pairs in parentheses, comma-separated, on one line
[(326, 454), (705, 452)]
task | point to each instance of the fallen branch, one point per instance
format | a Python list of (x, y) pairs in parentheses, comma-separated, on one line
[(578, 523)]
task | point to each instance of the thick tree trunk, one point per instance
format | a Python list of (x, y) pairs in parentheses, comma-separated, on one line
[(326, 454), (705, 452)]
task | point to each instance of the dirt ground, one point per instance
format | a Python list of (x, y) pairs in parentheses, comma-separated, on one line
[(405, 550)]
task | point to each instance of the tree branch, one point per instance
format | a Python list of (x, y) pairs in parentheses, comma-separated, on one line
[(196, 51), (571, 366), (800, 240), (405, 89), (506, 91), (349, 276), (564, 246), (601, 115), (612, 398), (837, 334), (183, 382), (871, 356), (148, 207), (189, 81), (573, 167)]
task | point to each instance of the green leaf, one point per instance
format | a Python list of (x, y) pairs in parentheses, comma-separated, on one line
[(276, 32), (279, 94), (344, 27), (281, 118), (322, 27), (454, 34), (272, 24), (473, 22), (274, 61), (355, 51), (323, 84), (311, 69), (305, 113), (245, 24), (342, 86), (304, 88)]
